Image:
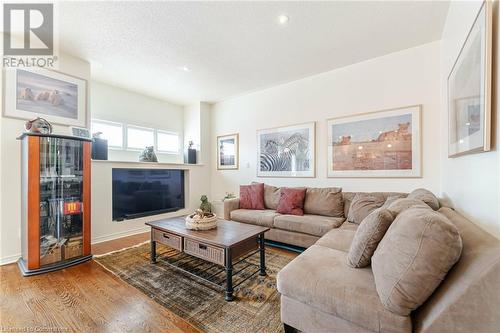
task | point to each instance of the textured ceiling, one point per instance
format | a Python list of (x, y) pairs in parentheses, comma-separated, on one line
[(235, 47)]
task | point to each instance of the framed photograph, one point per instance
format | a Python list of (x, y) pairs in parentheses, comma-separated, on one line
[(469, 90), (376, 144), (57, 97), (228, 152), (287, 151)]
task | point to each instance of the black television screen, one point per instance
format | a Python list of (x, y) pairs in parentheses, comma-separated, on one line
[(143, 192)]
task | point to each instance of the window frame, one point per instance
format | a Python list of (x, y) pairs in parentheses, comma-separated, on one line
[(177, 152), (114, 123), (127, 126)]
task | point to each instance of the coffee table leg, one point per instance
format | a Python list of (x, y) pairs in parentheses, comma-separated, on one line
[(153, 249), (262, 248), (229, 276)]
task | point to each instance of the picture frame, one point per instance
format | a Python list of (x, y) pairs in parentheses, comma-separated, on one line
[(380, 144), (228, 152), (469, 89), (287, 151), (57, 97)]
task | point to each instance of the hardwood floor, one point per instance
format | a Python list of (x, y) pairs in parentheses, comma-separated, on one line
[(83, 298)]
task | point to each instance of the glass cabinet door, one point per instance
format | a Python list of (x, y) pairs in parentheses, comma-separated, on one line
[(61, 199)]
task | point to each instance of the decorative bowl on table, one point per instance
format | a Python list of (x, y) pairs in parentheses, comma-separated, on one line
[(201, 220)]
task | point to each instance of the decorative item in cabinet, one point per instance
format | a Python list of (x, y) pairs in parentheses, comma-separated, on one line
[(55, 202), (73, 248)]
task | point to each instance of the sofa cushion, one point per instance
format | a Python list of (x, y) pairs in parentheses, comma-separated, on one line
[(271, 196), (338, 239), (348, 196), (252, 196), (413, 258), (349, 226), (315, 225), (426, 196), (363, 204), (326, 201), (399, 205), (259, 217), (320, 278), (368, 236), (292, 201)]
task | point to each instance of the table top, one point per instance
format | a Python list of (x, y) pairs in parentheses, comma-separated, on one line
[(227, 233)]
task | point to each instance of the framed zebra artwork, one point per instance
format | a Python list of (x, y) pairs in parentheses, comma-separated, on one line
[(376, 144), (287, 151), (228, 152)]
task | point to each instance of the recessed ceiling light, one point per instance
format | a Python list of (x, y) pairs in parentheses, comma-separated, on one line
[(185, 68), (283, 19)]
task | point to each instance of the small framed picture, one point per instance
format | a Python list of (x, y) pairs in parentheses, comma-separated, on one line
[(80, 132), (228, 152)]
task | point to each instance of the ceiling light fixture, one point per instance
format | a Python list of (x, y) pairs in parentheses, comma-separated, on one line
[(283, 19), (185, 68)]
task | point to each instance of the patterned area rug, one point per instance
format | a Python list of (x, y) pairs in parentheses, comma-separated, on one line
[(255, 309)]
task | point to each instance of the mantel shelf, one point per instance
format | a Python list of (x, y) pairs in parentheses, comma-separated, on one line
[(145, 163)]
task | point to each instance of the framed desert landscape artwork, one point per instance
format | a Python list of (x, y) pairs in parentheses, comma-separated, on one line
[(287, 151), (54, 96), (469, 90), (227, 152), (377, 144)]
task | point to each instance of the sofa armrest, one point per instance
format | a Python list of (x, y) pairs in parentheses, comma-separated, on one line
[(229, 206)]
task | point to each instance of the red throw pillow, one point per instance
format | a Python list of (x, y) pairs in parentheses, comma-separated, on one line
[(252, 196), (292, 201)]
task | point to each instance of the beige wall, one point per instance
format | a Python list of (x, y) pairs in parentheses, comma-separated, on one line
[(471, 182), (399, 79)]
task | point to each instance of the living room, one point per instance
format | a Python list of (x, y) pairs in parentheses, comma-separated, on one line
[(250, 167)]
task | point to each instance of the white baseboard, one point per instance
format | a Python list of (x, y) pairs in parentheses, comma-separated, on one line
[(120, 234), (100, 239), (9, 259)]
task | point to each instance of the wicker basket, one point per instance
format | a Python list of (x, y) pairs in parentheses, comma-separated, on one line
[(205, 223)]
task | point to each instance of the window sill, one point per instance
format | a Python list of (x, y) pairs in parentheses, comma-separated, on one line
[(144, 163)]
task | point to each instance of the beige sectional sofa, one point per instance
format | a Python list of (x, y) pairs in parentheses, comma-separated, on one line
[(321, 293), (302, 231)]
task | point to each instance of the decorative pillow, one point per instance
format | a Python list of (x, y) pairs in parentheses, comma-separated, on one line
[(292, 201), (369, 234), (413, 258), (324, 201), (252, 196), (400, 205), (426, 196), (271, 196), (390, 200), (362, 205)]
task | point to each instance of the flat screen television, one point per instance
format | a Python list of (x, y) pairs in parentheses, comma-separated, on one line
[(144, 192)]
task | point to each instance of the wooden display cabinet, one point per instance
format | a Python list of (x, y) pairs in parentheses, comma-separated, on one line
[(55, 202)]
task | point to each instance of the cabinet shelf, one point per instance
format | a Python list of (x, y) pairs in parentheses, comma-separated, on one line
[(56, 199)]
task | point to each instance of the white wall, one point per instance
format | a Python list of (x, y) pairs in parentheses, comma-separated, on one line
[(104, 228), (400, 79), (123, 106), (10, 227), (471, 182), (108, 103)]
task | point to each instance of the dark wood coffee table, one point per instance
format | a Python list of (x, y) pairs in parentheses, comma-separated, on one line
[(223, 246)]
